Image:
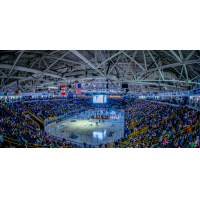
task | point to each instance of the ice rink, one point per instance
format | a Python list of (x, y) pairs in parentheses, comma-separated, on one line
[(83, 128)]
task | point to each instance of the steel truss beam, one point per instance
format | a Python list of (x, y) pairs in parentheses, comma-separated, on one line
[(133, 60), (52, 65), (88, 62), (185, 68), (26, 69), (156, 65), (133, 69), (172, 65), (16, 62), (108, 59)]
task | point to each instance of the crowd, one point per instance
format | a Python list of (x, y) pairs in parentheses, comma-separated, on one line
[(162, 125), (148, 124)]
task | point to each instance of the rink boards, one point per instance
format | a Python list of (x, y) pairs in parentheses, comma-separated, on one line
[(82, 128)]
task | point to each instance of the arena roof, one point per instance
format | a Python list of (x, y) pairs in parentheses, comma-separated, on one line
[(143, 70)]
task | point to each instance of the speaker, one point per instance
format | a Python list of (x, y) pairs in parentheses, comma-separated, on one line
[(124, 85), (126, 91)]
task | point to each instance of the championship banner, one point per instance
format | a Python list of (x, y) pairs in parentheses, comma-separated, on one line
[(63, 89)]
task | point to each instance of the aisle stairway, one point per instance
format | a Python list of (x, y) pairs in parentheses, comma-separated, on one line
[(34, 122), (37, 118), (10, 111)]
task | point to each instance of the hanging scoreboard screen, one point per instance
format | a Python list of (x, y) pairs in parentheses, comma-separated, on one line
[(99, 98)]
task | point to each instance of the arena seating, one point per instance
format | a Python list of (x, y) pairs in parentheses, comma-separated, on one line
[(148, 124)]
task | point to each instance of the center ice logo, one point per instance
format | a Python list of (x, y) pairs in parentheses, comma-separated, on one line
[(110, 134)]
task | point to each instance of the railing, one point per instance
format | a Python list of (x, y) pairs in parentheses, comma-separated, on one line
[(32, 114), (11, 141), (24, 113), (31, 100), (31, 145), (55, 119), (7, 108)]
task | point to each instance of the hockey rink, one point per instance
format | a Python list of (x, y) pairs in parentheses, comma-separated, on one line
[(90, 127)]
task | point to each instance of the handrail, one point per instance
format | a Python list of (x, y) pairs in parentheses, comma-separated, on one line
[(31, 113), (32, 145), (8, 139), (23, 113), (11, 111)]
